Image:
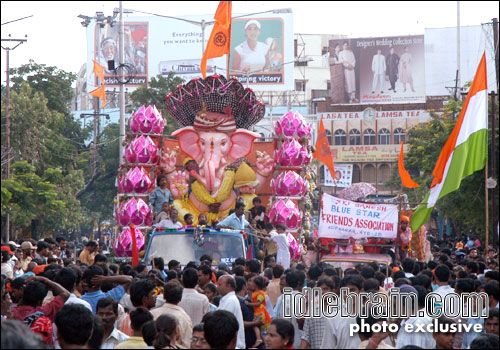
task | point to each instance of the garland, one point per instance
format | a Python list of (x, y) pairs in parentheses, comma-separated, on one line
[(225, 190)]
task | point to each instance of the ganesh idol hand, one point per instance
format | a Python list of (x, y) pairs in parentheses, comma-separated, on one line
[(179, 185), (264, 163), (168, 160)]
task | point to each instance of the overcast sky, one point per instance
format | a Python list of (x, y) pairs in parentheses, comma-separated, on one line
[(56, 37)]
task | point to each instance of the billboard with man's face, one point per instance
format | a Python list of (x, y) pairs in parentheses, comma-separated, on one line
[(158, 45), (377, 70), (135, 65)]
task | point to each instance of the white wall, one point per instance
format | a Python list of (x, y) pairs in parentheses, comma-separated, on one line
[(441, 57)]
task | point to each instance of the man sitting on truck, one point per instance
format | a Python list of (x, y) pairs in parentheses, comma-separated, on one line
[(235, 221)]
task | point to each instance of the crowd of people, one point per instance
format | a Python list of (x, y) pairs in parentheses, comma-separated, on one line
[(72, 295), (92, 303)]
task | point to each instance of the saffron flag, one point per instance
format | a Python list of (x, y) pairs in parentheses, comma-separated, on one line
[(220, 39), (466, 150), (99, 69), (135, 250), (323, 152), (101, 93), (405, 177)]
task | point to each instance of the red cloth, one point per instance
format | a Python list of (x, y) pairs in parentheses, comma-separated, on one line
[(324, 242), (373, 250), (50, 309)]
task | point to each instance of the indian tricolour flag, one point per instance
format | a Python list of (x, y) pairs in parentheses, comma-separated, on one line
[(466, 150)]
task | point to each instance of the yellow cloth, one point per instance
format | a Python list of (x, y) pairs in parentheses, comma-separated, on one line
[(132, 343), (188, 208), (259, 296), (86, 257)]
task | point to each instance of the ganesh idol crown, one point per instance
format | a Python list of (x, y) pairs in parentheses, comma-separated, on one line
[(215, 115)]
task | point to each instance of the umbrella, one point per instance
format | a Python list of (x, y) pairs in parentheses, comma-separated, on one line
[(357, 191)]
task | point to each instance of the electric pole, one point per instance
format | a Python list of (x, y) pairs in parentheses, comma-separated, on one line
[(7, 118)]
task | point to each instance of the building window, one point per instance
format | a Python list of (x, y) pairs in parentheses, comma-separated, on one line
[(384, 174), (356, 174), (399, 135), (354, 137), (340, 137), (300, 85), (384, 137), (369, 137), (328, 85), (329, 135), (369, 174)]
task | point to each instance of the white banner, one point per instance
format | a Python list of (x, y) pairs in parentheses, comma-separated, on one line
[(343, 219), (343, 176)]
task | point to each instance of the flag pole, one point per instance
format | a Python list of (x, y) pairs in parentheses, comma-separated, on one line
[(486, 204)]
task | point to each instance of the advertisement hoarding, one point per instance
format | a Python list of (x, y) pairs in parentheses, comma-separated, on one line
[(377, 70), (158, 45), (262, 52), (343, 176), (367, 153)]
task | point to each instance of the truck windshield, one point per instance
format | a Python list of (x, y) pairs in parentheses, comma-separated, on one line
[(181, 247)]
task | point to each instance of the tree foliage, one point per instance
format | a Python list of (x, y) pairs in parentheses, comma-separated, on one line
[(155, 93)]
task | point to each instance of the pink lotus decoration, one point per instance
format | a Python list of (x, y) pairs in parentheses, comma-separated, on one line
[(136, 180), (119, 181), (135, 211), (289, 183), (285, 212), (292, 153), (124, 243), (147, 120), (292, 125), (142, 150), (294, 248)]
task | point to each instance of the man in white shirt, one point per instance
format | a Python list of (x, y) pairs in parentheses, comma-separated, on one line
[(172, 222), (107, 311), (441, 278), (337, 329), (230, 302), (173, 295), (378, 70), (195, 304), (422, 339)]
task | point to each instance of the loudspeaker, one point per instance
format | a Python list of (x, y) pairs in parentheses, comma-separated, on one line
[(111, 65)]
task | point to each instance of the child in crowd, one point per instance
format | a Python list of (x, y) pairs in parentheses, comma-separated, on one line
[(257, 286)]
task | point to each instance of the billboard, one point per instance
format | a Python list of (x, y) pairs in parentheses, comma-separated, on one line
[(261, 52), (377, 70), (158, 45), (343, 176), (367, 153)]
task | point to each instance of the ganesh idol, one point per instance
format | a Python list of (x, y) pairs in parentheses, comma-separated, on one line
[(215, 116)]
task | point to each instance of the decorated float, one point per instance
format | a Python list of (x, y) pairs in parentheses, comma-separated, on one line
[(212, 159)]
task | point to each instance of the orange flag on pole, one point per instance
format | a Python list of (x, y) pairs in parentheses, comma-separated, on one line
[(405, 177), (220, 39), (99, 69), (101, 93), (323, 151)]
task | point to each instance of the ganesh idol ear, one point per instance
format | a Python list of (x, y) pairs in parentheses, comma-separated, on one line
[(189, 141), (241, 143)]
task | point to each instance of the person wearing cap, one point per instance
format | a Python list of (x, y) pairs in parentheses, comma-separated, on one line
[(251, 55), (404, 237), (27, 249), (7, 269)]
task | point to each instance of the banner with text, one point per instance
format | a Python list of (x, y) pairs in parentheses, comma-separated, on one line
[(367, 153), (343, 219), (158, 45), (377, 70), (343, 176)]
